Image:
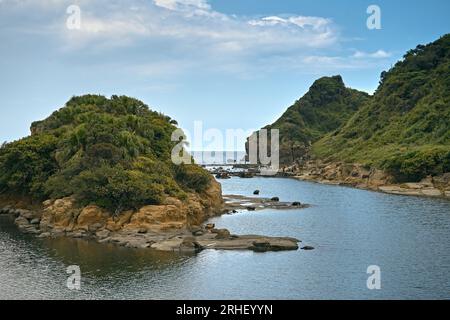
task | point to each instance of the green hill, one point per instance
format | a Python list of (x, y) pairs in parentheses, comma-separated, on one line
[(325, 107), (405, 127), (115, 153)]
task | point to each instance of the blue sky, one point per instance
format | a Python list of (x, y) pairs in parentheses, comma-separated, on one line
[(233, 64)]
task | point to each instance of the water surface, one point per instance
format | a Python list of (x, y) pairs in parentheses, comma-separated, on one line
[(407, 237)]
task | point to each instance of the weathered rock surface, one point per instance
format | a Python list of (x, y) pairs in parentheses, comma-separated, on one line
[(172, 226), (238, 202), (356, 175)]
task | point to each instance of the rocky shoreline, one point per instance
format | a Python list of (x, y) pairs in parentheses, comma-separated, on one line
[(358, 176), (174, 226)]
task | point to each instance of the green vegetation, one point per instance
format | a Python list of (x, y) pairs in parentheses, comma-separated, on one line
[(115, 153), (325, 107), (405, 127)]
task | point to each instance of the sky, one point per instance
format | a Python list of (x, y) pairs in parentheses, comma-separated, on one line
[(231, 64)]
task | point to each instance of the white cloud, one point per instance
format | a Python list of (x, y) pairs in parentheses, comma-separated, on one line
[(183, 4), (379, 54), (316, 23), (170, 36)]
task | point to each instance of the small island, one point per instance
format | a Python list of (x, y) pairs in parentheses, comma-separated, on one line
[(100, 168)]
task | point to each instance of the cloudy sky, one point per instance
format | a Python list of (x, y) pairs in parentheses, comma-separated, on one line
[(233, 64)]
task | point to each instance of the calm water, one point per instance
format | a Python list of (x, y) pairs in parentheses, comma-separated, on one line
[(407, 237)]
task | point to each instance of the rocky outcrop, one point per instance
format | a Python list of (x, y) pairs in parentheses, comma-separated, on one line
[(239, 202), (359, 176), (174, 225)]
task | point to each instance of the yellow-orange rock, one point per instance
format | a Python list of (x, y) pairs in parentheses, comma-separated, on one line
[(59, 214), (91, 216)]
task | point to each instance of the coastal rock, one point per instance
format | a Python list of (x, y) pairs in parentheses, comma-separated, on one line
[(91, 218), (44, 235), (432, 192), (223, 175), (59, 214), (261, 245), (275, 199), (27, 214), (21, 222), (142, 230), (6, 209), (307, 248), (247, 242), (256, 192), (221, 233), (115, 223), (103, 234), (158, 218), (210, 226), (359, 176)]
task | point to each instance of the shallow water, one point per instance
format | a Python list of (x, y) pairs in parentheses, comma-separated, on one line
[(407, 237)]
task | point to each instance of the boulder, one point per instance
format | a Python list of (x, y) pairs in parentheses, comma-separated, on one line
[(198, 233), (222, 233), (142, 230), (223, 175), (44, 235), (91, 218), (79, 234), (103, 234), (35, 221), (21, 222), (194, 229), (256, 192), (296, 204), (251, 208), (94, 227), (307, 248), (190, 245), (7, 209), (275, 199), (27, 214), (59, 214), (210, 226)]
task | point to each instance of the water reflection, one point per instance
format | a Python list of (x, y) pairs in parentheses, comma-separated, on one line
[(407, 237)]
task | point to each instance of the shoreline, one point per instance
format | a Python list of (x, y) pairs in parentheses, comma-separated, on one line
[(366, 178), (131, 229), (392, 189)]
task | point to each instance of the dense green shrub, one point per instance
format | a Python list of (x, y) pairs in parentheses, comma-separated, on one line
[(115, 153), (192, 177), (417, 164), (405, 126), (323, 109)]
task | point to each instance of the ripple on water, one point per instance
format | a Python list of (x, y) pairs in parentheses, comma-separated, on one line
[(407, 237)]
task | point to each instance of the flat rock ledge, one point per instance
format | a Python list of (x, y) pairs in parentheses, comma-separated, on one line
[(187, 239), (240, 203)]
